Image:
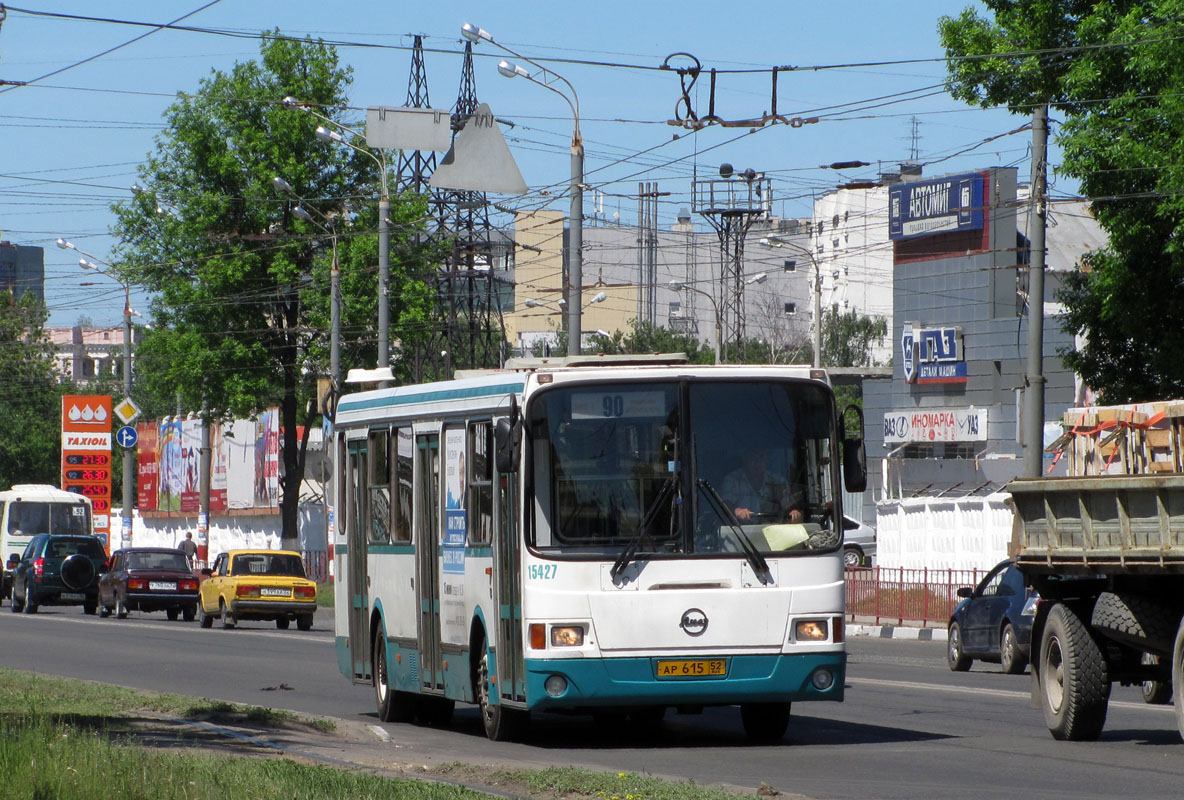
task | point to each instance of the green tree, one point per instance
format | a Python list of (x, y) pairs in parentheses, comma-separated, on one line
[(241, 300), (1115, 72), (30, 414), (848, 338)]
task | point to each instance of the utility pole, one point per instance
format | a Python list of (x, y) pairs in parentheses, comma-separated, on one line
[(203, 488), (1033, 420)]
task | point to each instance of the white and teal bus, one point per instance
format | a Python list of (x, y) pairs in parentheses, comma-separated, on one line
[(552, 537)]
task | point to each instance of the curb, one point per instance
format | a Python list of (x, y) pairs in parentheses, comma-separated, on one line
[(898, 632)]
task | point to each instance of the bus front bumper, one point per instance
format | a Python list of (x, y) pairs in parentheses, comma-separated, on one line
[(634, 682)]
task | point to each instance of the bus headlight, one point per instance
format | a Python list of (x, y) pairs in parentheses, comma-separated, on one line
[(810, 630), (567, 636)]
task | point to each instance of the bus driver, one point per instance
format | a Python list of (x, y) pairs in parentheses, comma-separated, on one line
[(753, 491)]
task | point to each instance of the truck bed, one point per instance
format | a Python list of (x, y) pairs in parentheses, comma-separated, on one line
[(1111, 524)]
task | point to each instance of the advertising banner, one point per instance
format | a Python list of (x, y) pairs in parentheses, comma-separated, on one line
[(147, 465), (267, 459), (86, 455), (452, 584), (191, 465), (171, 465), (922, 425), (239, 449), (941, 205)]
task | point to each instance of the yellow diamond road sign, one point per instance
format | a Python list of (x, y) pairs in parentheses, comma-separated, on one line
[(127, 411)]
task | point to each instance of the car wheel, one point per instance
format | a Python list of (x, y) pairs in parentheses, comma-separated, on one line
[(172, 613), (501, 724), (765, 722), (852, 557), (1156, 693), (17, 604), (282, 623), (104, 611), (188, 613), (1013, 661), (207, 621), (957, 659), (228, 620), (120, 607), (393, 705), (30, 603), (304, 622), (1074, 680)]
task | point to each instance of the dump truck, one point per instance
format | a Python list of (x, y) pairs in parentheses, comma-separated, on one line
[(1106, 554)]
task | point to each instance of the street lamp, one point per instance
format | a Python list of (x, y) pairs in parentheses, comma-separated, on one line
[(547, 79), (334, 284), (129, 496), (384, 222)]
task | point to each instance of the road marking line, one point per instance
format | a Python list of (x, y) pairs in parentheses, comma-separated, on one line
[(989, 692)]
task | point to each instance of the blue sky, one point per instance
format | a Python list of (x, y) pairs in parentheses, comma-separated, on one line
[(72, 141)]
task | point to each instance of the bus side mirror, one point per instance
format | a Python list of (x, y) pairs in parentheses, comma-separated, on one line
[(507, 436), (854, 455)]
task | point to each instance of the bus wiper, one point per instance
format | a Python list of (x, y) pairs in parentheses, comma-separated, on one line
[(647, 521), (755, 559)]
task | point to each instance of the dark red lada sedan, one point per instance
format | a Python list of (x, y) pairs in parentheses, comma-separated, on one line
[(149, 579)]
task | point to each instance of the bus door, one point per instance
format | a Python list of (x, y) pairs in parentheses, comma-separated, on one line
[(507, 566), (355, 521), (427, 555)]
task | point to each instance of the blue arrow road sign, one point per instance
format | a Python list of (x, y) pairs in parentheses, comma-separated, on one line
[(127, 437)]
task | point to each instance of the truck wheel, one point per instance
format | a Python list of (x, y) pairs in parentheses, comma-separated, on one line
[(1178, 677), (958, 660), (1012, 660), (1156, 693), (1074, 680), (1137, 620)]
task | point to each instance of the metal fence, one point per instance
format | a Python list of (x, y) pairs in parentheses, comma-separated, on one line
[(893, 595)]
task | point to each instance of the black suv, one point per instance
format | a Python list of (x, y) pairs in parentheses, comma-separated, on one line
[(58, 569)]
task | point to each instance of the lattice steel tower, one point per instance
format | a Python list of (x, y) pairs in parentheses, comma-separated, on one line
[(731, 204)]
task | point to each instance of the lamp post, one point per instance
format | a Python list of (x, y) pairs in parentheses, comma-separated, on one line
[(384, 222), (677, 286), (129, 495), (776, 241), (334, 283), (547, 79)]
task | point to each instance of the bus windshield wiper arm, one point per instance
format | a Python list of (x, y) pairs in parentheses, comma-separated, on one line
[(759, 565), (630, 550)]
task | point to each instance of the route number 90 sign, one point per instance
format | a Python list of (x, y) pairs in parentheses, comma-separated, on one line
[(86, 455)]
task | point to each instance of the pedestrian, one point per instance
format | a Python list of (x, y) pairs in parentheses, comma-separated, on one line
[(189, 548)]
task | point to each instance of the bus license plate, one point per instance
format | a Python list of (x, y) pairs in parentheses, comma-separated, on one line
[(692, 668)]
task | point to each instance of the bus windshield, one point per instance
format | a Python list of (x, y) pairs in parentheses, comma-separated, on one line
[(29, 517), (681, 468)]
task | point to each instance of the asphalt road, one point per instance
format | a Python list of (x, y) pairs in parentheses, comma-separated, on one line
[(909, 728)]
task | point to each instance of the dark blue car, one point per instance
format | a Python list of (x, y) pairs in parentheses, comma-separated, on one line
[(993, 622)]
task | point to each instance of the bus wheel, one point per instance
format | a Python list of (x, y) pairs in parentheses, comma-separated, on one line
[(765, 722), (501, 724), (1074, 681), (393, 705)]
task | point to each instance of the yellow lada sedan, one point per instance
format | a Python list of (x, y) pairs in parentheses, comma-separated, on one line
[(257, 585)]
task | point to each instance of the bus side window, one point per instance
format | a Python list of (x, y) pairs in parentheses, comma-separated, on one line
[(380, 487), (401, 499), (480, 482)]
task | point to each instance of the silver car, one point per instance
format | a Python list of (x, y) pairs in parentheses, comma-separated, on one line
[(859, 543)]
